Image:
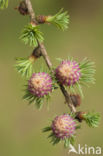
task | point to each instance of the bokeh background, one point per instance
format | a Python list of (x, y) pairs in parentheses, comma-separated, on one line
[(20, 124)]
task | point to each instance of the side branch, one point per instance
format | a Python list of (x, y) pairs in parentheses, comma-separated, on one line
[(47, 59)]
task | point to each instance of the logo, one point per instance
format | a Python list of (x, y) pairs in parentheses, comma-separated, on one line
[(85, 150)]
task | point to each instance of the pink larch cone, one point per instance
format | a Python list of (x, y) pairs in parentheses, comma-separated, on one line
[(68, 72), (40, 84), (63, 126)]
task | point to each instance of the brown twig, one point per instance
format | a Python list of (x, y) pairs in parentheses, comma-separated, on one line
[(30, 10), (47, 59)]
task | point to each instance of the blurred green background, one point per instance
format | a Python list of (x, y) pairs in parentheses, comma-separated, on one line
[(20, 124)]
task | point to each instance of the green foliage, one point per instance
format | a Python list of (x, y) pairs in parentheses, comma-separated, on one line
[(38, 101), (31, 35), (46, 129), (87, 72), (54, 140), (3, 4), (76, 88), (68, 141), (54, 81), (24, 66), (72, 114), (60, 20), (92, 119), (78, 127)]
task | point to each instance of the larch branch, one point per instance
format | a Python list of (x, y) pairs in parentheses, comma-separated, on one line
[(47, 59)]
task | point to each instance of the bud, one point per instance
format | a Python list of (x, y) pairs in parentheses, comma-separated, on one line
[(76, 99), (37, 52), (22, 8), (41, 19), (68, 72), (80, 116), (40, 84), (63, 126)]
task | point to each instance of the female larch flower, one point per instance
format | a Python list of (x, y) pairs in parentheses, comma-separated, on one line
[(68, 72), (40, 84), (63, 126)]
